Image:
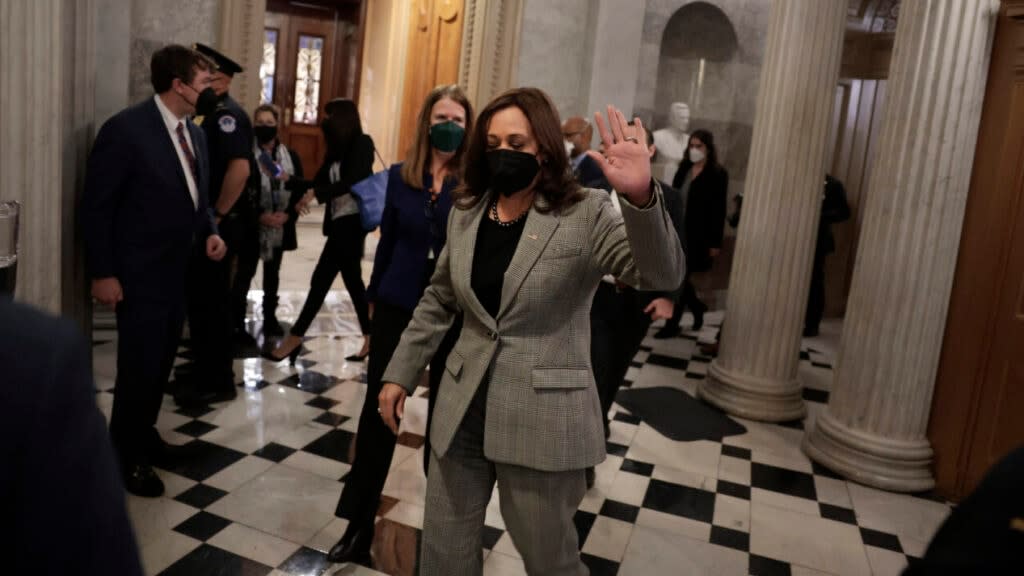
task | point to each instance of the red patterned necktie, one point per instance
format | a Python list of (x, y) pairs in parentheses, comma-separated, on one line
[(184, 148)]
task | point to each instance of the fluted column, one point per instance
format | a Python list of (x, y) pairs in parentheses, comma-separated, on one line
[(241, 38), (873, 430), (754, 376)]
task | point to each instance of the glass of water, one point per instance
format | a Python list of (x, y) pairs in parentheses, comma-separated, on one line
[(9, 213)]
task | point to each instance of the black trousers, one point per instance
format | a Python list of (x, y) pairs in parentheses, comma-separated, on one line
[(148, 333), (247, 257), (209, 314), (271, 283), (816, 296), (375, 444), (618, 326), (343, 252), (687, 300)]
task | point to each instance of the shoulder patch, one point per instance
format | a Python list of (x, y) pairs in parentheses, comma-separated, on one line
[(227, 124)]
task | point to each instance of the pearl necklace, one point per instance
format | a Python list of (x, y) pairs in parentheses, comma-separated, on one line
[(498, 221)]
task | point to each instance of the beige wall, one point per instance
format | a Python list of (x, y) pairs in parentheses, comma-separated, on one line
[(380, 93)]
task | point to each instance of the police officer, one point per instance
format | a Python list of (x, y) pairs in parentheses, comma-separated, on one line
[(229, 137)]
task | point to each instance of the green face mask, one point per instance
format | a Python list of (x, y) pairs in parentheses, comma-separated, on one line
[(447, 136)]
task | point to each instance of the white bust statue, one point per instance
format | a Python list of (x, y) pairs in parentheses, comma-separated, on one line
[(673, 140)]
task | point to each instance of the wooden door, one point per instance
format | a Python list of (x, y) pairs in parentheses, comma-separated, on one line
[(311, 56), (979, 391), (435, 46)]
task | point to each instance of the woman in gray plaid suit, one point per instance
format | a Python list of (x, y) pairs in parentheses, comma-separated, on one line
[(518, 405)]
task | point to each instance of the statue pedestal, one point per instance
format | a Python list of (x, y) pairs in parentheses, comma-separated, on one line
[(664, 171)]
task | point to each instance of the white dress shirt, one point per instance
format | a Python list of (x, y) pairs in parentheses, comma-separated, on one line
[(171, 121), (618, 208)]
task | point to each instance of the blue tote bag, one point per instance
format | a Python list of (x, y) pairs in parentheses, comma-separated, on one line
[(370, 193)]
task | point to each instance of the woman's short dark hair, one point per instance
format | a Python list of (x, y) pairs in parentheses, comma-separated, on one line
[(267, 108), (342, 127), (176, 61), (556, 185)]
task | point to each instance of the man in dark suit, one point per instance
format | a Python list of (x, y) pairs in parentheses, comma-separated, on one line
[(834, 209), (62, 498), (144, 209), (578, 132), (229, 135)]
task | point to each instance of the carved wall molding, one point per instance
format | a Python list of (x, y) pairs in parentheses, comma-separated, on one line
[(240, 37), (490, 48)]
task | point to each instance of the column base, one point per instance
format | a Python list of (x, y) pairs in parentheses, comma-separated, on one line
[(858, 455), (752, 398)]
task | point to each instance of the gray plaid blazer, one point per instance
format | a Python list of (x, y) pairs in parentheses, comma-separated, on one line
[(542, 405)]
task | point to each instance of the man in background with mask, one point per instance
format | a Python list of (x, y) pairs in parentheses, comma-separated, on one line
[(230, 136), (578, 133), (144, 212)]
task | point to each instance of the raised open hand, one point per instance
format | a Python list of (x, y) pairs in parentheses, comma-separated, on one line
[(625, 161)]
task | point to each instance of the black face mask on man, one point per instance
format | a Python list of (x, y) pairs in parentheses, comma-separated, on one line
[(511, 170), (206, 101), (265, 134)]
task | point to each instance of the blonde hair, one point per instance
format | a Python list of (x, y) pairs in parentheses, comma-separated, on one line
[(419, 151)]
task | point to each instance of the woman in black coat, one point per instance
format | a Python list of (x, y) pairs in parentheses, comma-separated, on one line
[(704, 184), (349, 159)]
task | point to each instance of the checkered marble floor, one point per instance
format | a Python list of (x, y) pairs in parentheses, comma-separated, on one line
[(260, 497)]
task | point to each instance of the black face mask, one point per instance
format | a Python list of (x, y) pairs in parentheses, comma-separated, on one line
[(511, 170), (265, 134), (206, 102)]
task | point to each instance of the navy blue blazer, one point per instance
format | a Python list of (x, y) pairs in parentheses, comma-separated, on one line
[(400, 265), (59, 467), (137, 214)]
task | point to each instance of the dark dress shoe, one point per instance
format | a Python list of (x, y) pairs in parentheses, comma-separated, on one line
[(353, 547), (141, 480), (591, 477), (668, 331), (171, 456), (698, 318), (810, 331)]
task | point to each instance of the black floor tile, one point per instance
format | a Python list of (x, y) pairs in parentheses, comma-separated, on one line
[(782, 480), (736, 452), (274, 452), (584, 522), (635, 364), (880, 540), (337, 445), (307, 562), (820, 470), (635, 467), (255, 384), (310, 381), (202, 526), (793, 424), (195, 428), (205, 460), (696, 376), (617, 449), (805, 355), (627, 418), (212, 561), (837, 513), (322, 403), (331, 419), (667, 361), (735, 490), (491, 537), (620, 511), (761, 566), (815, 395), (821, 365), (200, 496), (680, 500), (730, 538), (600, 566)]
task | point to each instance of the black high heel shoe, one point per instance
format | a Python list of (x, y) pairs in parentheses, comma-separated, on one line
[(354, 547), (292, 356), (357, 357)]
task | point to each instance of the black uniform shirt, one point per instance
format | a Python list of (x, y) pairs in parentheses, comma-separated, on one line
[(229, 136)]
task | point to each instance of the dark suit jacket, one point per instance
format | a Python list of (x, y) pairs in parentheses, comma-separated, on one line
[(295, 184), (705, 213), (589, 175), (138, 217), (400, 265), (834, 209), (356, 165), (63, 501)]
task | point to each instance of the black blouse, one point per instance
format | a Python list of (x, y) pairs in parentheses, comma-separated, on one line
[(495, 246)]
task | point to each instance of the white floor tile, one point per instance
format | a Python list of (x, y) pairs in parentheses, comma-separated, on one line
[(407, 482), (791, 461), (784, 501), (174, 484), (506, 546), (255, 545), (732, 513), (326, 467), (675, 524), (329, 535), (498, 564), (166, 549), (832, 491), (153, 517), (608, 538), (806, 540), (653, 552), (685, 478), (700, 456), (239, 473), (407, 513), (629, 488), (735, 470), (886, 562), (303, 435), (900, 514)]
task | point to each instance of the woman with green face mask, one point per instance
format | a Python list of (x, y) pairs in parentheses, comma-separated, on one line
[(412, 234)]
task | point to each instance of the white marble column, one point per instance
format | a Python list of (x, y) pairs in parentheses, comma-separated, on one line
[(31, 109), (755, 373), (873, 430), (241, 38)]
